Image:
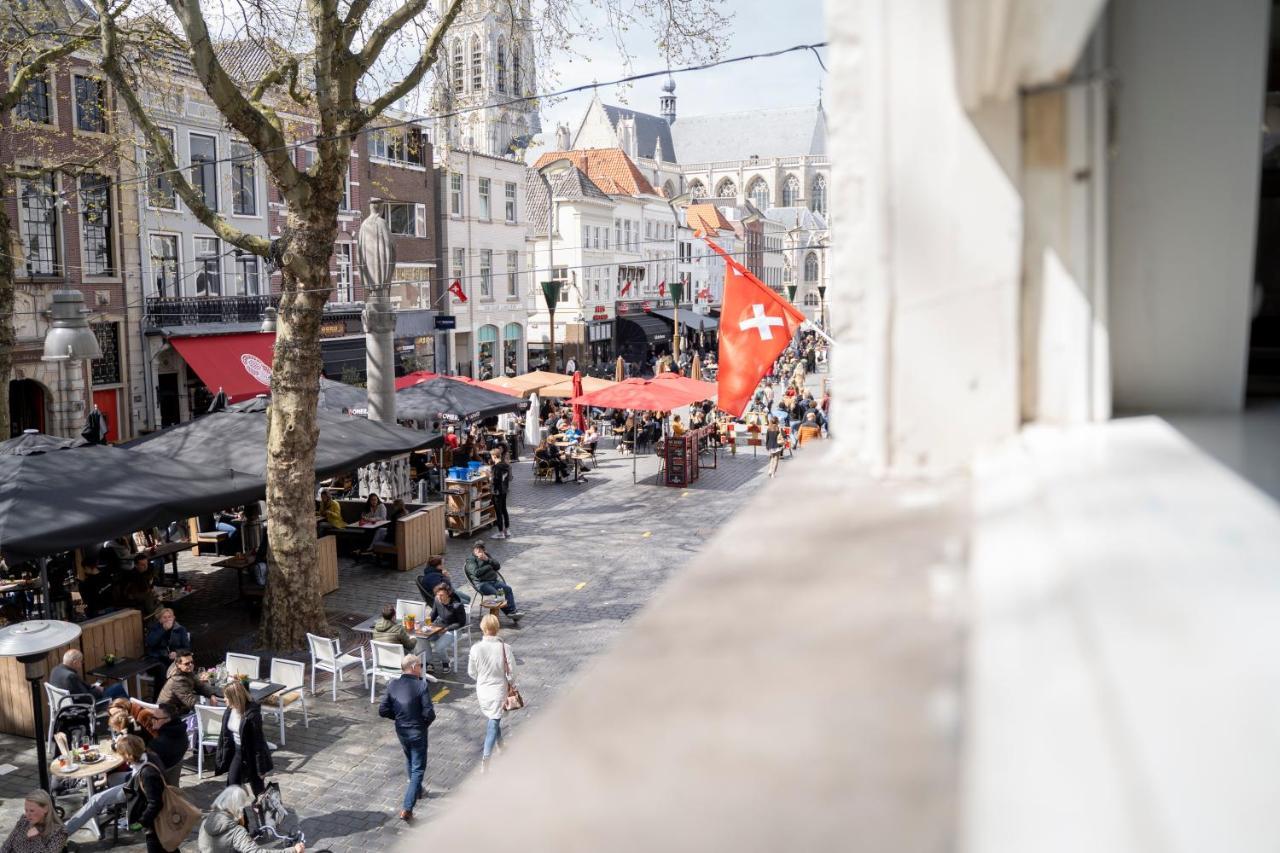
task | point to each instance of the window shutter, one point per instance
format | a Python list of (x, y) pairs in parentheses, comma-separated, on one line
[(420, 220)]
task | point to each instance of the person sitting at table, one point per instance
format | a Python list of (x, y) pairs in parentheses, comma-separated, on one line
[(165, 638), (548, 455), (66, 676), (433, 574), (145, 540), (677, 428), (330, 511), (182, 688), (386, 534), (485, 573), (374, 510), (137, 588), (447, 612), (389, 629), (229, 522), (126, 718), (115, 555), (260, 567)]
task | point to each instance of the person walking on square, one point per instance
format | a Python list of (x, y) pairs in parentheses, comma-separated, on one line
[(500, 472), (408, 702), (242, 752), (773, 444), (492, 665)]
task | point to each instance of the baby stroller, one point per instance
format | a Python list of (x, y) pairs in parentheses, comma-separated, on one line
[(270, 823)]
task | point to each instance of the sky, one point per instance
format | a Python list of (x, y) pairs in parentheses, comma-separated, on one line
[(758, 25)]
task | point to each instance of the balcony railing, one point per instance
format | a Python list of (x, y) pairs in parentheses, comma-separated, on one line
[(163, 311)]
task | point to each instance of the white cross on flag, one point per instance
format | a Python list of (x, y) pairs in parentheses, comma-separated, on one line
[(756, 324)]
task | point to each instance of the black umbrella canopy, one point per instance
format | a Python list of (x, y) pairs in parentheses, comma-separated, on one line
[(95, 427), (334, 396), (219, 403), (452, 399), (238, 440), (34, 441), (76, 496)]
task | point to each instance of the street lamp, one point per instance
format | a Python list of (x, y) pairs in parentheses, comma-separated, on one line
[(822, 305), (791, 292), (30, 642), (546, 172), (268, 321), (677, 287)]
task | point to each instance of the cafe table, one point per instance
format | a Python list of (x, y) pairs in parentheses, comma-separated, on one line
[(107, 763), (168, 551), (125, 668), (241, 563), (422, 631)]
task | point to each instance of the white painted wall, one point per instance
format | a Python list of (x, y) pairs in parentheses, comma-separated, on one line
[(1184, 198)]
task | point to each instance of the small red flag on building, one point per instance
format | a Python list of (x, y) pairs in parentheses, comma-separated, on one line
[(705, 293), (756, 325), (626, 288), (662, 287), (456, 290)]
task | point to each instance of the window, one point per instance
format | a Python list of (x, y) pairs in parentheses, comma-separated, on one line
[(244, 180), (204, 168), (517, 87), (477, 75), (697, 190), (595, 237), (343, 291), (811, 299), (106, 370), (208, 267), (811, 267), (459, 270), (455, 194), (95, 221), (306, 158), (818, 194), (759, 192), (606, 236), (586, 236), (246, 274), (164, 264), (513, 272), (458, 70), (91, 104), (626, 232), (485, 201), (511, 201), (399, 145), (400, 219), (486, 273), (726, 189), (35, 104), (617, 233), (159, 188), (648, 231), (502, 66), (345, 202), (38, 224), (791, 191)]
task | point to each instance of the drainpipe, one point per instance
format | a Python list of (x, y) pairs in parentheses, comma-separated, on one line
[(144, 262)]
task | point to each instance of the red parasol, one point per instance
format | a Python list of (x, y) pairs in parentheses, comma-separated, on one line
[(414, 378), (649, 395), (579, 412), (418, 377), (704, 390)]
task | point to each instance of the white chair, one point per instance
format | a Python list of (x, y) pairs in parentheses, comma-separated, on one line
[(386, 665), (249, 665), (293, 675), (208, 729), (327, 657), (405, 606)]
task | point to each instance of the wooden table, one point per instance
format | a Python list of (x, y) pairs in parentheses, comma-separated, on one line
[(420, 632), (164, 551), (171, 595), (240, 562), (124, 669), (494, 603), (109, 762), (574, 457)]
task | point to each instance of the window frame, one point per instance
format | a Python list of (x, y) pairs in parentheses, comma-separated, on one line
[(50, 99), (484, 193), (174, 290), (513, 273), (107, 238), (211, 165), (238, 282), (477, 65), (344, 262), (55, 228), (486, 273), (77, 112), (509, 202), (202, 261), (386, 213), (155, 184), (239, 165), (455, 194)]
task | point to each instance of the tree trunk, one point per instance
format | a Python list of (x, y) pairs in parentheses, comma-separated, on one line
[(294, 606), (8, 323)]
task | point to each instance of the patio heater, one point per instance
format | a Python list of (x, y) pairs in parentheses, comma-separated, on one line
[(791, 292), (30, 642), (822, 305), (677, 293), (550, 289), (551, 293)]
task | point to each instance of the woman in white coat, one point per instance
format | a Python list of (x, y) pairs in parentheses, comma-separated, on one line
[(492, 665)]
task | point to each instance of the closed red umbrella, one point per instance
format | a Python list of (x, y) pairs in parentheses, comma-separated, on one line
[(579, 412)]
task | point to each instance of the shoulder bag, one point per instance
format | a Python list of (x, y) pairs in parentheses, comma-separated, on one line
[(514, 700), (176, 819)]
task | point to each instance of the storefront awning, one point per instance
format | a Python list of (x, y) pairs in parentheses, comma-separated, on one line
[(689, 319), (643, 327), (238, 364)]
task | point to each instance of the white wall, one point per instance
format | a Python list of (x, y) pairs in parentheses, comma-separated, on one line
[(1184, 198)]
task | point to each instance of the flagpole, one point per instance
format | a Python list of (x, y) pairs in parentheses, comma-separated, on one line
[(808, 324)]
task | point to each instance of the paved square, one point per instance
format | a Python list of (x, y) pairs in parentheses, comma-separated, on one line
[(583, 559)]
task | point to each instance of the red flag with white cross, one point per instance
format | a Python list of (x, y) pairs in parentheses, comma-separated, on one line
[(756, 325), (456, 290)]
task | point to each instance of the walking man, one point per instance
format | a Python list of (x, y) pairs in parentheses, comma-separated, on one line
[(409, 703)]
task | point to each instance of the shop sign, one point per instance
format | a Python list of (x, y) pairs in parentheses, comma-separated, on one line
[(336, 329), (600, 313), (446, 321)]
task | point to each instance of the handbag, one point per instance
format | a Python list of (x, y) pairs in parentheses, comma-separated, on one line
[(176, 819), (514, 700)]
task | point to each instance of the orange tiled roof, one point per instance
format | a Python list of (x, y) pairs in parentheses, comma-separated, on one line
[(608, 168), (706, 218)]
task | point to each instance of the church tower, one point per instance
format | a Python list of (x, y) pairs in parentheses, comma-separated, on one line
[(667, 102), (485, 67)]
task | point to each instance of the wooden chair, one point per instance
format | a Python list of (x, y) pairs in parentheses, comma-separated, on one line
[(542, 471)]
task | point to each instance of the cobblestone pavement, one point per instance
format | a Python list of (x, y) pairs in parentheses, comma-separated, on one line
[(583, 559)]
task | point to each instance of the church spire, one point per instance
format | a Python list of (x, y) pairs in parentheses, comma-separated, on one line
[(668, 100)]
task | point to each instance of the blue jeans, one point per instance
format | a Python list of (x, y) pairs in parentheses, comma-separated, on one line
[(493, 587), (492, 735), (95, 805), (233, 532), (415, 761)]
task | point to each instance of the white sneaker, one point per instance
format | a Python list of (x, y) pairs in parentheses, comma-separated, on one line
[(499, 535)]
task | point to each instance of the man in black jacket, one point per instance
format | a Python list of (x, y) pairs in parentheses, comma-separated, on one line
[(484, 573), (66, 676), (169, 741), (408, 702)]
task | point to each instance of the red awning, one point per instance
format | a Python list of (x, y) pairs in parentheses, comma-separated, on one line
[(238, 364)]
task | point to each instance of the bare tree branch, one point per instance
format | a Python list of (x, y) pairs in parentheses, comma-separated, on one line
[(415, 75)]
